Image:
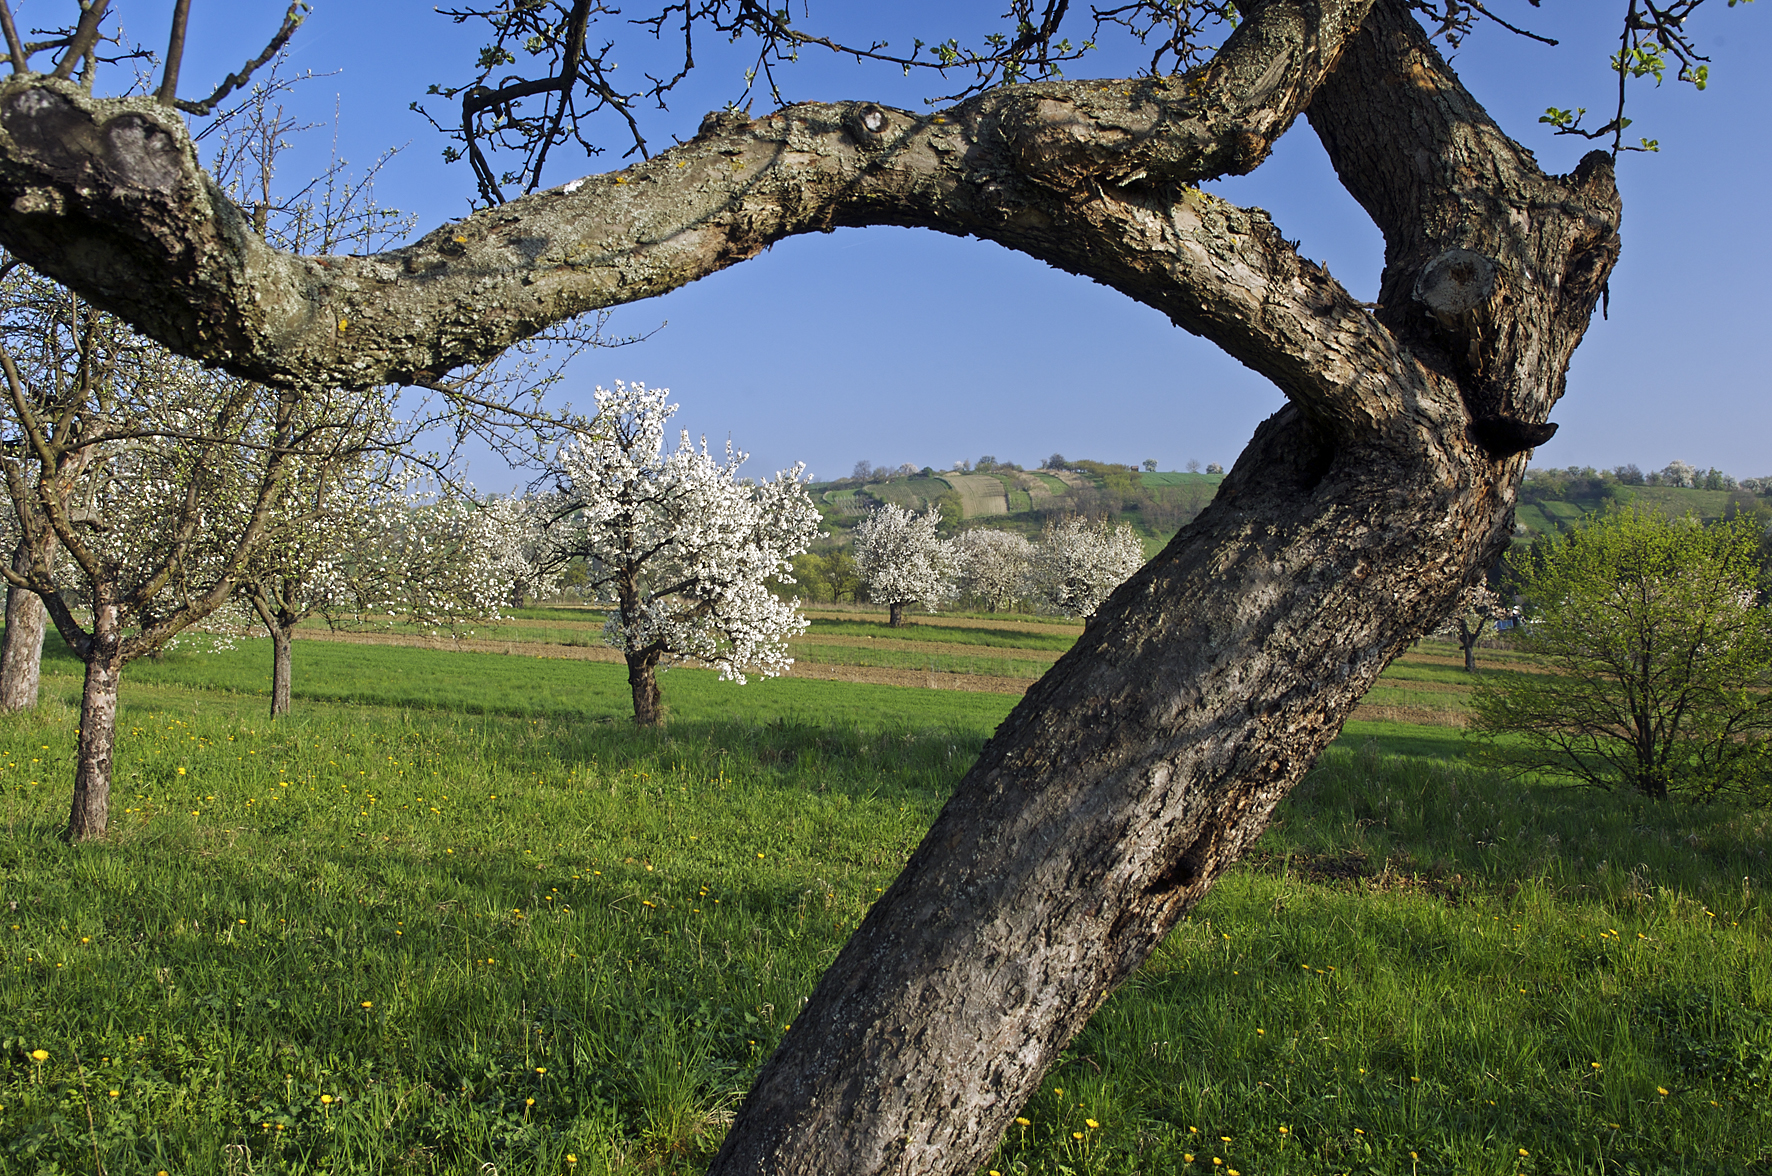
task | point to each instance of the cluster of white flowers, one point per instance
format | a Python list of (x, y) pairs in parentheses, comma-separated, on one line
[(901, 560), (676, 541), (1079, 562), (994, 566)]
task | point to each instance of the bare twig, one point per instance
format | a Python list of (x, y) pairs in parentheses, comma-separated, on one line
[(20, 63), (292, 20), (175, 52), (85, 36)]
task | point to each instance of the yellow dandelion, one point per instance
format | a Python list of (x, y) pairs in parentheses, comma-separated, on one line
[(541, 1069), (368, 1004), (42, 1055), (1661, 1090), (113, 1094), (1076, 1135), (1524, 1152), (181, 771), (1024, 1122), (1091, 1124), (1187, 1157), (326, 1098), (571, 1159)]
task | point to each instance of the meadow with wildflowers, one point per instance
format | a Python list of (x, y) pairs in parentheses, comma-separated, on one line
[(456, 911)]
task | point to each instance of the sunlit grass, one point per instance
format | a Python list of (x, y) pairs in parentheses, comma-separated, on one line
[(479, 919)]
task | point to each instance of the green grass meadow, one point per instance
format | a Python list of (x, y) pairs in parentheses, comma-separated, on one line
[(456, 915)]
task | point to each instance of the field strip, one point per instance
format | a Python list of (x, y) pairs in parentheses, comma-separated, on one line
[(946, 648), (1027, 625), (927, 679), (596, 653), (802, 668), (1424, 687), (1425, 716)]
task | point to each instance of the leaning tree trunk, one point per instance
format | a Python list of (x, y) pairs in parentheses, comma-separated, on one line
[(91, 812), (21, 649), (1154, 751)]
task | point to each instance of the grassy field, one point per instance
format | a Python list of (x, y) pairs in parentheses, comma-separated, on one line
[(457, 912)]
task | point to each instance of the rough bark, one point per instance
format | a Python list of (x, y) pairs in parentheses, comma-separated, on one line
[(895, 615), (90, 815), (643, 684), (1154, 751), (21, 648)]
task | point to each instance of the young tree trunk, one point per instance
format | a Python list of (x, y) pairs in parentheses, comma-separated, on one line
[(896, 618), (280, 670), (1468, 636), (91, 812), (21, 649), (643, 682)]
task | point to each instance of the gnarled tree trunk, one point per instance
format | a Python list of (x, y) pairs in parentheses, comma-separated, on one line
[(1154, 751), (643, 685)]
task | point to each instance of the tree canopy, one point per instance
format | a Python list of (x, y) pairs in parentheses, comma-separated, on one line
[(1659, 659)]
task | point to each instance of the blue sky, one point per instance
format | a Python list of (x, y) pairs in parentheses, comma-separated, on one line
[(894, 345)]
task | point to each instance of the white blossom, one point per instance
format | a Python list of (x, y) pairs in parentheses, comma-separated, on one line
[(677, 542), (900, 559), (1079, 562), (993, 565)]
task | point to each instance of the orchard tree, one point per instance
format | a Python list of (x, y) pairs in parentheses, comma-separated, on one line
[(682, 547), (139, 483), (1155, 750), (900, 560), (1660, 660), (1479, 608), (514, 531), (993, 565), (1080, 561)]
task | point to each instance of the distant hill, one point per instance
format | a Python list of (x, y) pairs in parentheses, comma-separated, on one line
[(1156, 504), (1552, 501)]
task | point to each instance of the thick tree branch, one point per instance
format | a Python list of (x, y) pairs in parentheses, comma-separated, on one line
[(107, 196), (1464, 211)]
